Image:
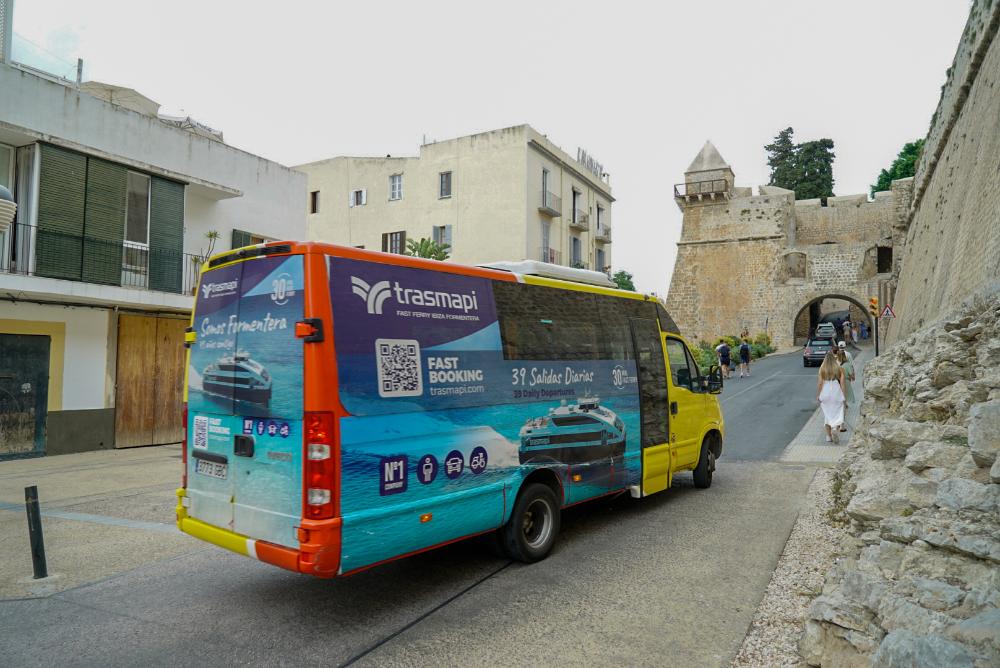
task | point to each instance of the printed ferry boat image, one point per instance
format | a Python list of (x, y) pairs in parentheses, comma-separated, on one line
[(573, 434), (238, 377)]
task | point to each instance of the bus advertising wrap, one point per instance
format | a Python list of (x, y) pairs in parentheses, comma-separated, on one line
[(445, 418)]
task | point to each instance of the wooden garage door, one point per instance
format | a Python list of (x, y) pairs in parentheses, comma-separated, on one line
[(149, 408)]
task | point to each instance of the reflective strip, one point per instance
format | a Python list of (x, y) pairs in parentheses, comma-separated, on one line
[(252, 548)]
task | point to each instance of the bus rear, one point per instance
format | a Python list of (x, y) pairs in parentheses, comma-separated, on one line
[(245, 455)]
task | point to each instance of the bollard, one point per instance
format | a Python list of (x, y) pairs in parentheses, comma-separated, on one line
[(35, 532)]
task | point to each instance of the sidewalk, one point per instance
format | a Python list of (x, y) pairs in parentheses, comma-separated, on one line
[(810, 445), (103, 513)]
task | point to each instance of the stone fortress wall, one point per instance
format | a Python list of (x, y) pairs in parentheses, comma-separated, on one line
[(952, 222), (759, 261)]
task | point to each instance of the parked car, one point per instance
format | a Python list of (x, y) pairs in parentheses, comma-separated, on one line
[(826, 330), (815, 351)]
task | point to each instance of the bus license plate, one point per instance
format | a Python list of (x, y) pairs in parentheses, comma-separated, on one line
[(212, 469)]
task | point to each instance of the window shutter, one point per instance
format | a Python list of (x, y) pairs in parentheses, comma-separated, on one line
[(350, 200), (104, 222), (385, 243), (364, 197), (402, 242), (166, 235), (62, 184), (240, 239), (447, 236)]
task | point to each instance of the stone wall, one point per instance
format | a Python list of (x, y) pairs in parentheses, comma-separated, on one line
[(919, 583), (953, 222)]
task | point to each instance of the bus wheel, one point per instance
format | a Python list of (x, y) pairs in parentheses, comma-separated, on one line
[(706, 466), (533, 526)]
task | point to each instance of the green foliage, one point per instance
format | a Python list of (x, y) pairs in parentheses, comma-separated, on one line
[(428, 249), (705, 355), (623, 280), (805, 168), (903, 166), (763, 339)]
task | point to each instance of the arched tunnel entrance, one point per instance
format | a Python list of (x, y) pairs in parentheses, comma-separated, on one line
[(834, 308)]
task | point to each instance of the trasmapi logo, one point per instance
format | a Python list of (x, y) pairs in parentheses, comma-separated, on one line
[(217, 289), (375, 295)]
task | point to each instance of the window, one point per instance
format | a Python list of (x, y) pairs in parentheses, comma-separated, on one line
[(441, 234), (600, 218), (394, 242), (545, 184), (599, 260), (358, 197), (396, 187), (137, 209), (680, 372), (576, 206), (884, 259), (314, 201), (444, 187), (576, 251)]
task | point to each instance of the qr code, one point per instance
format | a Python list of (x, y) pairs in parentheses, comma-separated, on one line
[(399, 372), (200, 440)]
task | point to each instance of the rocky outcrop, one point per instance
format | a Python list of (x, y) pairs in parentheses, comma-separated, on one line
[(919, 582)]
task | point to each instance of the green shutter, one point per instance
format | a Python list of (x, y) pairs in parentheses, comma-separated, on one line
[(166, 235), (61, 201), (104, 226), (241, 239)]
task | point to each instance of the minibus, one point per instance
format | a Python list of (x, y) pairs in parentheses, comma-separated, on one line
[(347, 407)]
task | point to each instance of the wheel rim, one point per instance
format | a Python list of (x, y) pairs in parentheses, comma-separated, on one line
[(536, 523)]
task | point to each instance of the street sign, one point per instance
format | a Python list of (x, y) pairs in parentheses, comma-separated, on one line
[(887, 312)]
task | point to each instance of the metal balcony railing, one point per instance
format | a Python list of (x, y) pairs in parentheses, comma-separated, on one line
[(603, 234), (701, 189), (549, 255), (580, 220), (36, 251), (549, 203)]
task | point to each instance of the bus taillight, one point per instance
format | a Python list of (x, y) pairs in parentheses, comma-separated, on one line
[(319, 466)]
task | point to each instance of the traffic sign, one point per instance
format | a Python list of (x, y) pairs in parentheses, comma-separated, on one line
[(887, 312)]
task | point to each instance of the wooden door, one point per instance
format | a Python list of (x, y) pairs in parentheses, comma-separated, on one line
[(24, 393), (148, 394)]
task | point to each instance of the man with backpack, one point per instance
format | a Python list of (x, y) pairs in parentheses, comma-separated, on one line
[(724, 353), (745, 358)]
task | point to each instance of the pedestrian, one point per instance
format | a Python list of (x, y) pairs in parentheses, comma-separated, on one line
[(745, 358), (854, 333), (846, 361), (723, 352), (745, 334), (847, 330), (830, 395), (864, 331)]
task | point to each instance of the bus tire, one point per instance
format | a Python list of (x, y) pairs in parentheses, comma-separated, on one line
[(706, 466), (533, 526)]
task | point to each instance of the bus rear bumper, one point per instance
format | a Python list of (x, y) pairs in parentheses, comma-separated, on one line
[(319, 546)]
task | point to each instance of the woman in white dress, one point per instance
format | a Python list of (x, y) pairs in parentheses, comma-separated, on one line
[(830, 395)]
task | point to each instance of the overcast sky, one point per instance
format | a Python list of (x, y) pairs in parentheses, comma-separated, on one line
[(640, 85)]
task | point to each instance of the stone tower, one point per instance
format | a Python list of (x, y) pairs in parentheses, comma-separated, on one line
[(766, 262)]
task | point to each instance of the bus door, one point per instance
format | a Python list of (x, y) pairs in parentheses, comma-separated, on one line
[(245, 380), (687, 404), (653, 409)]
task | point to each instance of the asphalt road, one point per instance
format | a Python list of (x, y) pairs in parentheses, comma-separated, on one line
[(670, 580)]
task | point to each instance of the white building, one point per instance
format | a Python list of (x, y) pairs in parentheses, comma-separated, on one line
[(508, 194), (97, 273)]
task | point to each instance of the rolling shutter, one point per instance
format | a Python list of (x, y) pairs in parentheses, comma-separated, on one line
[(166, 235), (61, 202), (104, 222)]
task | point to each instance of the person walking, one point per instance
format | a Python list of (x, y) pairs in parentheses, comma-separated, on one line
[(830, 395), (847, 330), (846, 361), (864, 332), (745, 358), (854, 333), (724, 352)]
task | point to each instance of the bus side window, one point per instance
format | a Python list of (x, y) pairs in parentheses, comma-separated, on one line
[(540, 323), (680, 371)]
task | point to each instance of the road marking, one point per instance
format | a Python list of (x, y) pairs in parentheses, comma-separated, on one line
[(97, 519), (747, 389)]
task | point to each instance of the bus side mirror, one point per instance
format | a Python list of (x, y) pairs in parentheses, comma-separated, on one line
[(714, 381)]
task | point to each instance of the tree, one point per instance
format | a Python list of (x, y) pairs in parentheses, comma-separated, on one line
[(903, 166), (427, 249), (814, 160), (781, 160), (806, 169), (623, 280)]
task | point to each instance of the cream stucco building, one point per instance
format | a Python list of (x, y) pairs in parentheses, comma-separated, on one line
[(508, 194)]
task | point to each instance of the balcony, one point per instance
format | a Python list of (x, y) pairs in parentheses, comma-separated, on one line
[(43, 253), (549, 204), (549, 255), (580, 220), (603, 234), (702, 190)]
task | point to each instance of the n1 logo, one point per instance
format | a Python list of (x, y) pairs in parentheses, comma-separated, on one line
[(392, 475)]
